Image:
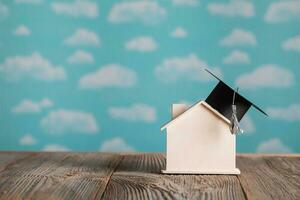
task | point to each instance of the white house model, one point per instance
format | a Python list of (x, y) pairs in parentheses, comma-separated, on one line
[(199, 140)]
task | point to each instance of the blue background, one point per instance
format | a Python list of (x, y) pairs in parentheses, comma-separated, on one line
[(86, 121)]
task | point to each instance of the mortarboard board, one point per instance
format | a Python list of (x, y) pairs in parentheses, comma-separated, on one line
[(221, 100)]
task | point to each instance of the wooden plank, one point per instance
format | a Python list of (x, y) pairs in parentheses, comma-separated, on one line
[(58, 176), (268, 155), (139, 177), (10, 158), (274, 177)]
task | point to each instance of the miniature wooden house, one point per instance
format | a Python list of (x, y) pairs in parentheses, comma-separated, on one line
[(199, 140)]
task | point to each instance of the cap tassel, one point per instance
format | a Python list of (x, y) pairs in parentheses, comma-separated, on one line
[(234, 127)]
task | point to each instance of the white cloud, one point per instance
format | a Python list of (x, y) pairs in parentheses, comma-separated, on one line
[(3, 11), (179, 32), (185, 2), (28, 106), (148, 12), (33, 66), (116, 144), (266, 76), (76, 8), (283, 11), (80, 57), (112, 75), (27, 140), (141, 44), (83, 37), (234, 8), (189, 67), (134, 113), (291, 113), (247, 125), (72, 121), (33, 2), (55, 147), (292, 44), (22, 30), (237, 57), (239, 37), (46, 103), (273, 145)]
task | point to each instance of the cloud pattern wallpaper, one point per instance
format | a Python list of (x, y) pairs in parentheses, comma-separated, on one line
[(86, 75)]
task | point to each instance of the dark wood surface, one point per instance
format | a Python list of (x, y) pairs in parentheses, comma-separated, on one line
[(43, 176)]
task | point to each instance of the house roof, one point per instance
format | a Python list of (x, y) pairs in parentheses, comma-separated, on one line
[(193, 107), (220, 102)]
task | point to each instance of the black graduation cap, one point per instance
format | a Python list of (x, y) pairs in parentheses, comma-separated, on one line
[(221, 99)]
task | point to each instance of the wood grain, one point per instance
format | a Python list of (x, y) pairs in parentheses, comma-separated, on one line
[(58, 176), (272, 177), (43, 176), (10, 158), (139, 177)]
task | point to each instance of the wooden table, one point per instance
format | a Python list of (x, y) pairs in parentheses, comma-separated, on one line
[(74, 176)]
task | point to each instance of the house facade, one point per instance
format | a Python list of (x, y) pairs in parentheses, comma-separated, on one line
[(199, 141)]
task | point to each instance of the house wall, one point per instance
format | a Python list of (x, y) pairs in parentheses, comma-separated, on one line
[(200, 141)]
